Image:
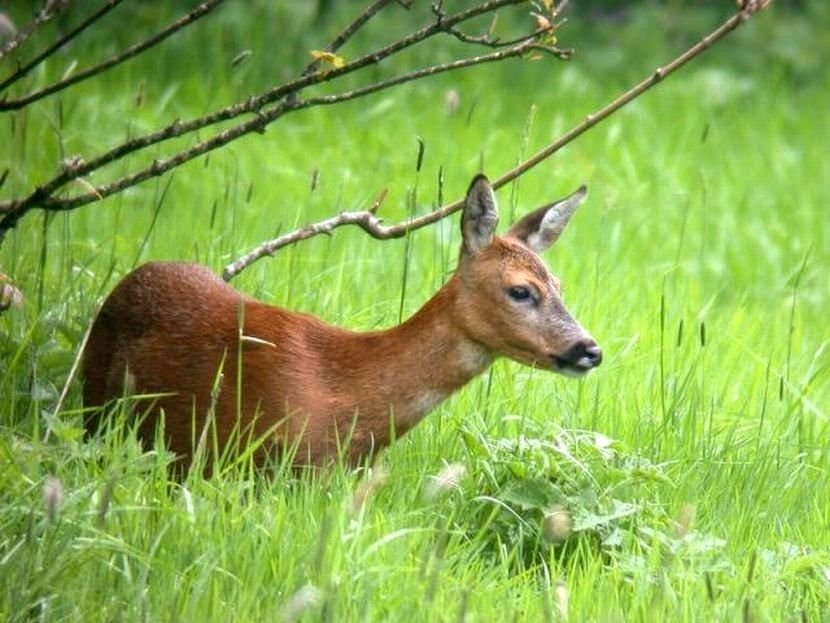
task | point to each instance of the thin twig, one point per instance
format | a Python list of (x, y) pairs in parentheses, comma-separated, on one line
[(517, 50), (201, 10), (739, 18), (89, 21), (547, 24), (373, 226), (26, 31), (368, 13), (495, 42)]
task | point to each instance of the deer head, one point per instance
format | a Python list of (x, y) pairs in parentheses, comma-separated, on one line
[(510, 301)]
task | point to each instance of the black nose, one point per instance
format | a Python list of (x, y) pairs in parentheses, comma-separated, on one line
[(583, 355)]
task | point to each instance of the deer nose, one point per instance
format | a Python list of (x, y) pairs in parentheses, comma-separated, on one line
[(593, 353), (582, 356)]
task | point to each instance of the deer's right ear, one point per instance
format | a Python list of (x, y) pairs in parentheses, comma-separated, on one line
[(542, 227), (480, 216)]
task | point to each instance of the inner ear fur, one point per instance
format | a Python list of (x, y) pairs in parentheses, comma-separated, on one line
[(480, 216), (541, 228)]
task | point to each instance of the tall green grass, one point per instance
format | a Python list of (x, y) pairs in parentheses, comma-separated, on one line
[(694, 462)]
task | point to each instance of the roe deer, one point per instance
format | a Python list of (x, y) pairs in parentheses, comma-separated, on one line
[(177, 331)]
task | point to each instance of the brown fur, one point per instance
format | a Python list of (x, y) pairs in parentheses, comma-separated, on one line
[(169, 328)]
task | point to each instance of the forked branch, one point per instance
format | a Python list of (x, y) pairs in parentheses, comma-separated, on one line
[(368, 13), (49, 11), (373, 225), (264, 108), (15, 104), (43, 17)]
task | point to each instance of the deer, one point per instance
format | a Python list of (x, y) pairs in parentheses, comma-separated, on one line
[(205, 354)]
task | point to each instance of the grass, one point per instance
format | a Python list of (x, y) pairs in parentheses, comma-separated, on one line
[(697, 469)]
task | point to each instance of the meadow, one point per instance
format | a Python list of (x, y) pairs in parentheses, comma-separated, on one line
[(686, 479)]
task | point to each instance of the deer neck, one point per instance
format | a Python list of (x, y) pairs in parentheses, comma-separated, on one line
[(413, 367)]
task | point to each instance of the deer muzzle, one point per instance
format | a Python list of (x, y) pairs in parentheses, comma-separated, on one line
[(581, 357)]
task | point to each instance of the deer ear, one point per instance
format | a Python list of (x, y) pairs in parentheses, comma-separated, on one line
[(479, 217), (541, 228)]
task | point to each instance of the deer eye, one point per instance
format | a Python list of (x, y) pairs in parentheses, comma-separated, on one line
[(518, 293)]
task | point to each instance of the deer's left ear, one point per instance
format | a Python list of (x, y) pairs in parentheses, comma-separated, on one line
[(479, 217), (541, 228)]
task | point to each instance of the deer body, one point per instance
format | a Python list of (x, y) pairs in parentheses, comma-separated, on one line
[(178, 332)]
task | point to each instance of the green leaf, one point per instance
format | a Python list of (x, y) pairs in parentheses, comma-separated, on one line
[(530, 494), (592, 521)]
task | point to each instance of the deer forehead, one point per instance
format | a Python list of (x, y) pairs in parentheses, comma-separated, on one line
[(520, 264)]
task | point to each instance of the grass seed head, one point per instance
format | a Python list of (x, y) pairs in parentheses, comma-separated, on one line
[(53, 496), (561, 598), (374, 480), (448, 478), (7, 28), (557, 524), (105, 501), (452, 100), (10, 296), (308, 597), (685, 520)]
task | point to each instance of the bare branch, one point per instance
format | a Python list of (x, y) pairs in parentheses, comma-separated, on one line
[(44, 15), (513, 52), (368, 13), (42, 195), (250, 105), (89, 21), (547, 26), (370, 223), (495, 42), (751, 7), (373, 226), (256, 124), (201, 10), (157, 167)]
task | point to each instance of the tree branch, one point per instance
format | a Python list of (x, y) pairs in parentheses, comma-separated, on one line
[(368, 13), (257, 124), (46, 14), (372, 225), (517, 50), (495, 42), (43, 195), (200, 11), (25, 69)]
